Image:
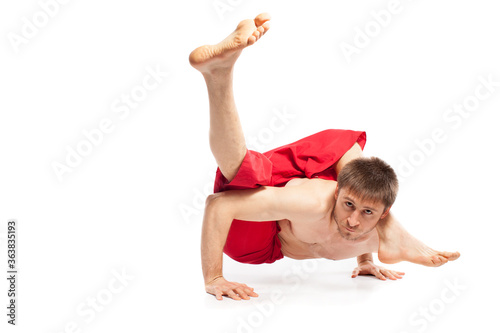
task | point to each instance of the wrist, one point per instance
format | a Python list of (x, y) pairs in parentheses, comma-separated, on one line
[(365, 257), (211, 280)]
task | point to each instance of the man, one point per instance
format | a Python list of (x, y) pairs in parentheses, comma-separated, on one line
[(287, 202)]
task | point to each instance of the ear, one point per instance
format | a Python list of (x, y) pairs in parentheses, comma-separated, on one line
[(386, 212), (337, 192)]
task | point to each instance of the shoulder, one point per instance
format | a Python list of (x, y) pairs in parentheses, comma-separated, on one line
[(316, 192), (313, 183)]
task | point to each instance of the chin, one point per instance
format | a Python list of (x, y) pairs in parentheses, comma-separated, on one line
[(350, 237)]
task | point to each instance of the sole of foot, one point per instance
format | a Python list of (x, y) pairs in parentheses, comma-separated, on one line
[(207, 58)]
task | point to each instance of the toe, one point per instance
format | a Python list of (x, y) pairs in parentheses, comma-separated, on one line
[(450, 255), (436, 261), (261, 18), (251, 40), (266, 26)]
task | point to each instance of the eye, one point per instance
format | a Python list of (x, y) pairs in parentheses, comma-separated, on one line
[(368, 212), (348, 204)]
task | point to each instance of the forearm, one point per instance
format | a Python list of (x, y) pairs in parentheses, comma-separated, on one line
[(365, 257), (216, 224)]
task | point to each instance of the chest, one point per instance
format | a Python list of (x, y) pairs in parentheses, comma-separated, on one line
[(318, 236), (339, 248), (320, 241)]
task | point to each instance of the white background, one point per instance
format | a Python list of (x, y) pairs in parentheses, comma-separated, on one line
[(133, 203)]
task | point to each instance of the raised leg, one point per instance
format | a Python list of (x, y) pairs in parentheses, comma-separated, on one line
[(396, 244), (216, 63)]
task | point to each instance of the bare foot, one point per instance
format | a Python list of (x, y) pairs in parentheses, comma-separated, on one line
[(223, 55), (396, 244)]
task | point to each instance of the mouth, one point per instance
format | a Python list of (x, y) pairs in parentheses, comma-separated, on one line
[(349, 229)]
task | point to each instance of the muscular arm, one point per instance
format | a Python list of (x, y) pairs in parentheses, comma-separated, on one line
[(264, 203), (216, 224)]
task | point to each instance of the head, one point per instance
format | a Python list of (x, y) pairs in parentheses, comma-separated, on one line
[(366, 189)]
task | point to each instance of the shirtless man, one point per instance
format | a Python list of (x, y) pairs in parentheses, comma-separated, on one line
[(314, 217)]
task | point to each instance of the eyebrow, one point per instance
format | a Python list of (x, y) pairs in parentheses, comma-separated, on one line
[(365, 207)]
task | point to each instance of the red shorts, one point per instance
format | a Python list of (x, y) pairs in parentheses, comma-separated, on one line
[(311, 157)]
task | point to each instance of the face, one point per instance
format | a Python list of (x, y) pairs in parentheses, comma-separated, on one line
[(354, 217)]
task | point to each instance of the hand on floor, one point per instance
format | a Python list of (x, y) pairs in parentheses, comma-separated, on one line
[(221, 287), (369, 268)]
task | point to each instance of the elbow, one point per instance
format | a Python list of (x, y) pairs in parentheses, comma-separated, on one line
[(213, 200), (216, 208)]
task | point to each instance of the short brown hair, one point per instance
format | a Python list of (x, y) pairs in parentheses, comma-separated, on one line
[(370, 178)]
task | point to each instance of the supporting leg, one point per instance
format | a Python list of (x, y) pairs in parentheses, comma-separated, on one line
[(216, 63)]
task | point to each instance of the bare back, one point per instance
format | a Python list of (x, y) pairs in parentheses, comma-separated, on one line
[(317, 235)]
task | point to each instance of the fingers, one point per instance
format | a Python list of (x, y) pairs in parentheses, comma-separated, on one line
[(391, 275), (245, 291), (242, 293), (249, 291), (379, 275), (236, 291), (371, 271), (233, 295)]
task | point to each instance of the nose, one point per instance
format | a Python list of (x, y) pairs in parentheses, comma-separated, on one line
[(353, 220)]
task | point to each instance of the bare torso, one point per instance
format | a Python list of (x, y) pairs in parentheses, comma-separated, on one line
[(318, 236)]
